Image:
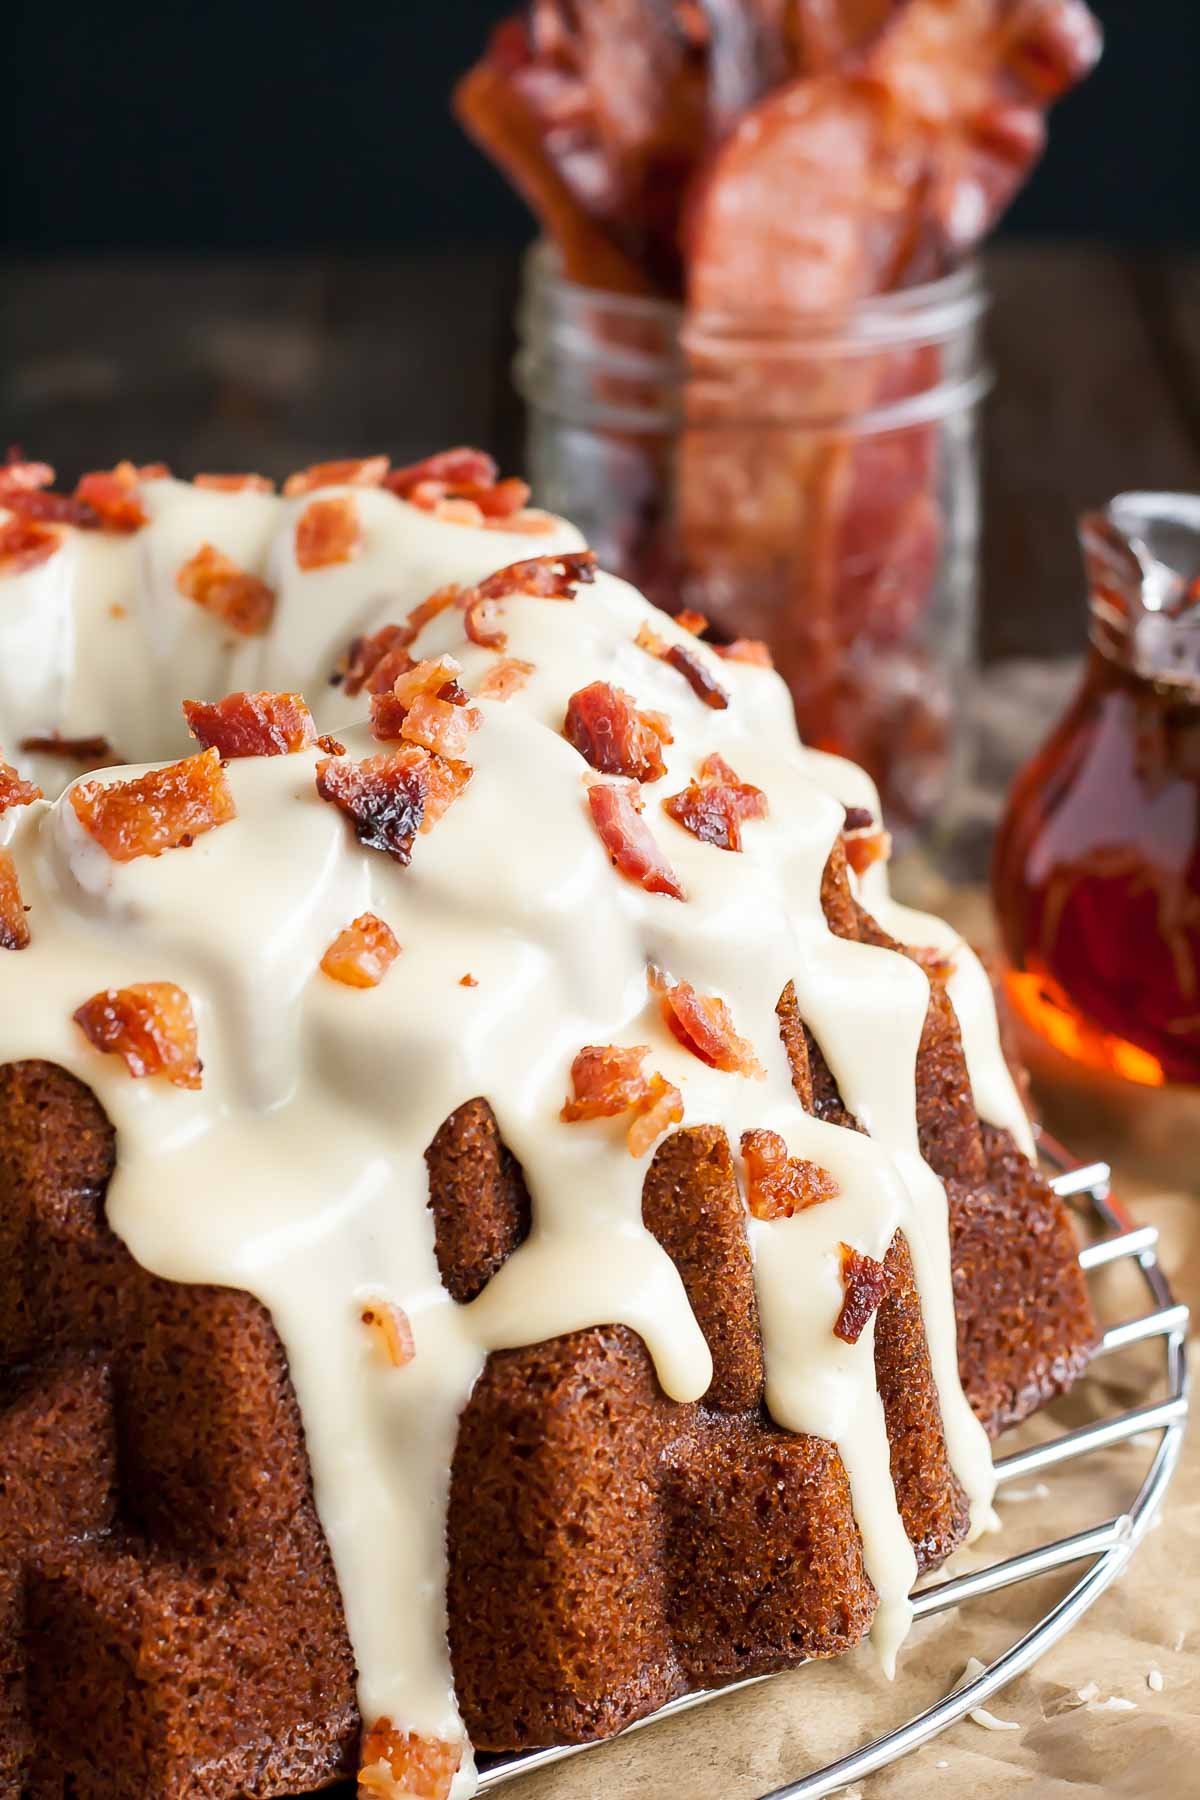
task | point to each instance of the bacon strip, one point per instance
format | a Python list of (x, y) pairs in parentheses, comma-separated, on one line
[(164, 810), (616, 813), (151, 1025)]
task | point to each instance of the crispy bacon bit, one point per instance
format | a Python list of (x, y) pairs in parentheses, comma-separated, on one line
[(351, 471), (52, 509), (616, 813), (461, 486), (467, 981), (608, 1080), (392, 1331), (690, 620), (505, 678), (704, 1025), (235, 484), (112, 494), (24, 543), (608, 731), (713, 807), (865, 1283), (779, 1185), (91, 752), (252, 725), (164, 810), (427, 706), (328, 532), (401, 1765), (15, 790), (542, 577), (431, 608), (390, 798), (376, 661), (863, 840), (150, 1024), (361, 955), (746, 650), (705, 686), (14, 927), (215, 582), (17, 476), (330, 745)]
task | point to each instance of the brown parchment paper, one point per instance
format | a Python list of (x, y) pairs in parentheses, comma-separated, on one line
[(744, 1745)]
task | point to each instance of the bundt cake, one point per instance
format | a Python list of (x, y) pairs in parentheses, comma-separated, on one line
[(503, 1220)]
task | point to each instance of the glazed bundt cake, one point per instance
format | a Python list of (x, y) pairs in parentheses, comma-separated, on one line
[(503, 1221)]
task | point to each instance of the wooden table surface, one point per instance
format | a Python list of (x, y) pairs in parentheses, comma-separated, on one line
[(276, 362)]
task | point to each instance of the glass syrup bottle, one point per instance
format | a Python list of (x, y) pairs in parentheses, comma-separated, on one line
[(1096, 874)]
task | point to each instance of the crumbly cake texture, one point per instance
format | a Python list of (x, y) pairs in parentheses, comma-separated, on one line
[(573, 1354)]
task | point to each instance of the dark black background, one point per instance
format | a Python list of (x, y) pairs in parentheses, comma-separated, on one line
[(268, 125)]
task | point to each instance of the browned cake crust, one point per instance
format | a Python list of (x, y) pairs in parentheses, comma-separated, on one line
[(169, 1619)]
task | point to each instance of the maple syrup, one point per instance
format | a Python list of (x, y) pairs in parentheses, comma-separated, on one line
[(1096, 875)]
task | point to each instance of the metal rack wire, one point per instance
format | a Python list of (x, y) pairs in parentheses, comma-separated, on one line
[(1105, 1548)]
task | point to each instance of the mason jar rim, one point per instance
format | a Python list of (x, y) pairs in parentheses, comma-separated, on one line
[(902, 318)]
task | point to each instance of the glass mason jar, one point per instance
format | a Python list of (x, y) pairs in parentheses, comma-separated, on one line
[(812, 482), (1096, 875)]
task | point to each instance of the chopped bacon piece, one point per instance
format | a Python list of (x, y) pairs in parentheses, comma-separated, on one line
[(91, 752), (713, 807), (112, 494), (503, 500), (392, 1331), (431, 608), (328, 532), (361, 955), (704, 1025), (330, 745), (454, 511), (14, 926), (14, 789), (24, 543), (252, 725), (746, 650), (351, 471), (543, 577), (505, 678), (164, 810), (608, 731), (467, 981), (456, 470), (150, 1024), (214, 581), (608, 1080), (863, 840), (20, 477), (440, 725), (374, 662), (705, 686), (779, 1185), (690, 620), (402, 1765), (616, 813), (235, 484), (390, 798), (482, 623), (865, 1283), (52, 509)]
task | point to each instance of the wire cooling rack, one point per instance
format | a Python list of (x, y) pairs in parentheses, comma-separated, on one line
[(1105, 1548)]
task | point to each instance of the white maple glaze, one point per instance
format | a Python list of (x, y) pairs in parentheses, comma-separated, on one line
[(297, 1172)]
